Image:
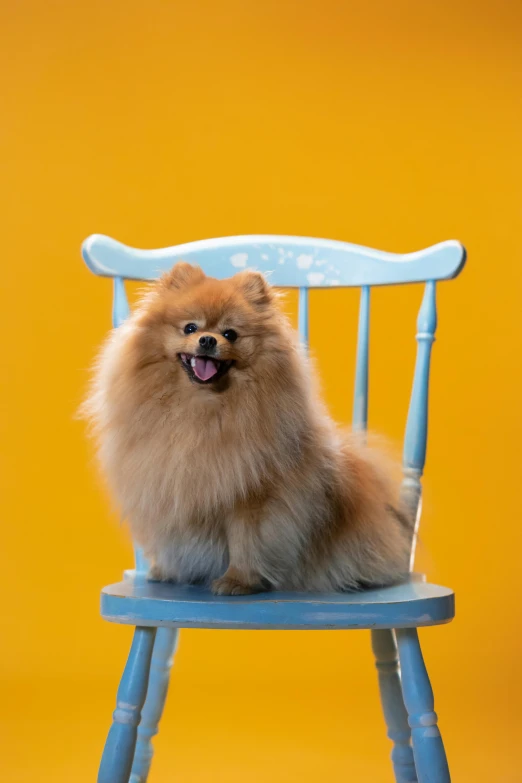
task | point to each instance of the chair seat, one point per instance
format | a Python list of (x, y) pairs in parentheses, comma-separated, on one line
[(415, 603)]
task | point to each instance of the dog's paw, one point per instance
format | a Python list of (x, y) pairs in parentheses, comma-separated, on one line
[(228, 585)]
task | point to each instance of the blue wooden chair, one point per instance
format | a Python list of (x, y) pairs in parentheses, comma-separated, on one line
[(393, 614)]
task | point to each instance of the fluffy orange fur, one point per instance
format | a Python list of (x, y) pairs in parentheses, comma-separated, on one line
[(240, 480)]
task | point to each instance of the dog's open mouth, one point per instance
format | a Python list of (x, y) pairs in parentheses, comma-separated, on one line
[(204, 369)]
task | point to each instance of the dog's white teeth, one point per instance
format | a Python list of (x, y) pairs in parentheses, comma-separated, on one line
[(193, 361)]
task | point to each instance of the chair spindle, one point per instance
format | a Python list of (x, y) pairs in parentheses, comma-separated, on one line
[(302, 318), (414, 455), (360, 402), (120, 303)]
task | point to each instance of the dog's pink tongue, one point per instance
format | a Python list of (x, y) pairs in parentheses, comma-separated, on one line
[(205, 368)]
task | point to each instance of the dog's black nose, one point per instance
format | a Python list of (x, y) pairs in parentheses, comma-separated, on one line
[(207, 342)]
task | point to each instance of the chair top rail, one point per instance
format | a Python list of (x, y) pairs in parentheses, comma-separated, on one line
[(287, 261)]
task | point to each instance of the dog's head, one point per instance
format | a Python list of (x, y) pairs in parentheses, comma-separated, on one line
[(214, 331)]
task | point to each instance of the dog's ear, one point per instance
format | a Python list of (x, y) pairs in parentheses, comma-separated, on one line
[(255, 288), (182, 275)]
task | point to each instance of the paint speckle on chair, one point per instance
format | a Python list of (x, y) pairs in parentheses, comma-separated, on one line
[(239, 259), (304, 261)]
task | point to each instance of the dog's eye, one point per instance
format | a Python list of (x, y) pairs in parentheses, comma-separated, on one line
[(230, 335), (190, 329)]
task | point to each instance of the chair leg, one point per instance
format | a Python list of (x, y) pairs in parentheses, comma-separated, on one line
[(162, 657), (119, 748), (387, 663), (428, 750)]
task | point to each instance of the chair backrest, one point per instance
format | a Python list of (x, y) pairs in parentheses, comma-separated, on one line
[(304, 263)]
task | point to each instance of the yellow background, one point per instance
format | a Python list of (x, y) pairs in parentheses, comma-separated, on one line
[(389, 124)]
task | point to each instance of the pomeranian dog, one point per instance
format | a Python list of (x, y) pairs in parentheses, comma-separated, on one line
[(221, 455)]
